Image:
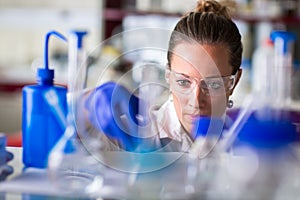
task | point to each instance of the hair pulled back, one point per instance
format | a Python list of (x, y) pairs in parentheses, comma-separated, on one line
[(209, 23), (212, 7)]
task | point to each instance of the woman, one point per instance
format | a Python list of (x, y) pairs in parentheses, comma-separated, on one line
[(204, 59)]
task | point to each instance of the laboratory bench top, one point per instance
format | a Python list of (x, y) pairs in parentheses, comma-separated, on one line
[(165, 179), (119, 184)]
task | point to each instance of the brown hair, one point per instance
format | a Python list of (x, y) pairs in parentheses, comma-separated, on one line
[(211, 24)]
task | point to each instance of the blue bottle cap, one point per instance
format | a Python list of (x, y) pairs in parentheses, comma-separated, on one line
[(80, 35), (287, 37), (207, 126), (45, 76)]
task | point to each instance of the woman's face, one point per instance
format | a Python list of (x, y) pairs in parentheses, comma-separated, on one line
[(197, 62)]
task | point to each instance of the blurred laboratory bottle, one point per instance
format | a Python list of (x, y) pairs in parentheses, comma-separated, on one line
[(77, 61), (43, 114), (282, 69), (261, 66)]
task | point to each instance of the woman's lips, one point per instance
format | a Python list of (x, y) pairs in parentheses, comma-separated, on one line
[(191, 117)]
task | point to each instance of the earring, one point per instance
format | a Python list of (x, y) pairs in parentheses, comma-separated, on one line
[(229, 104)]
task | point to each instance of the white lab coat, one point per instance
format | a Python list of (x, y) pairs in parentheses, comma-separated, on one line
[(170, 134)]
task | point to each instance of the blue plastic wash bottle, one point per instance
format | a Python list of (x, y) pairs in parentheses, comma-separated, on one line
[(43, 115)]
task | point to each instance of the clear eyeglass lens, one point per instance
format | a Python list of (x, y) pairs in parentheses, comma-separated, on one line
[(214, 86)]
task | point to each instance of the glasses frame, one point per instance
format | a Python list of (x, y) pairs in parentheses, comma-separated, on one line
[(200, 84)]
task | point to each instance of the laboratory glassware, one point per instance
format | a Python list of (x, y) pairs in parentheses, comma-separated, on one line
[(72, 168)]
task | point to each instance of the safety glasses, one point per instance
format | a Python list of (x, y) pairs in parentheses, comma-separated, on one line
[(211, 86)]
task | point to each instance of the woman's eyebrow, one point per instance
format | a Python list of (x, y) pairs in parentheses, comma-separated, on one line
[(187, 76), (182, 74)]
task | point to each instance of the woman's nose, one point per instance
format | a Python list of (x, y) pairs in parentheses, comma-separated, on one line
[(195, 97)]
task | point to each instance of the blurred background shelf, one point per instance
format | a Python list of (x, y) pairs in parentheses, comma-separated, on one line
[(289, 20)]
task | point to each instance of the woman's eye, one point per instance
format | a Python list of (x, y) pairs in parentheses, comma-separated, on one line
[(214, 85), (184, 82)]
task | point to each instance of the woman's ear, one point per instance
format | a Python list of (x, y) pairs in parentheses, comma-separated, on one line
[(238, 76)]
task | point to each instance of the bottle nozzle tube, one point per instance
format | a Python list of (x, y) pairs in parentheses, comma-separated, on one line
[(46, 75)]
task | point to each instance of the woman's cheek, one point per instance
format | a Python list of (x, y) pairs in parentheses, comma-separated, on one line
[(179, 103), (218, 106)]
